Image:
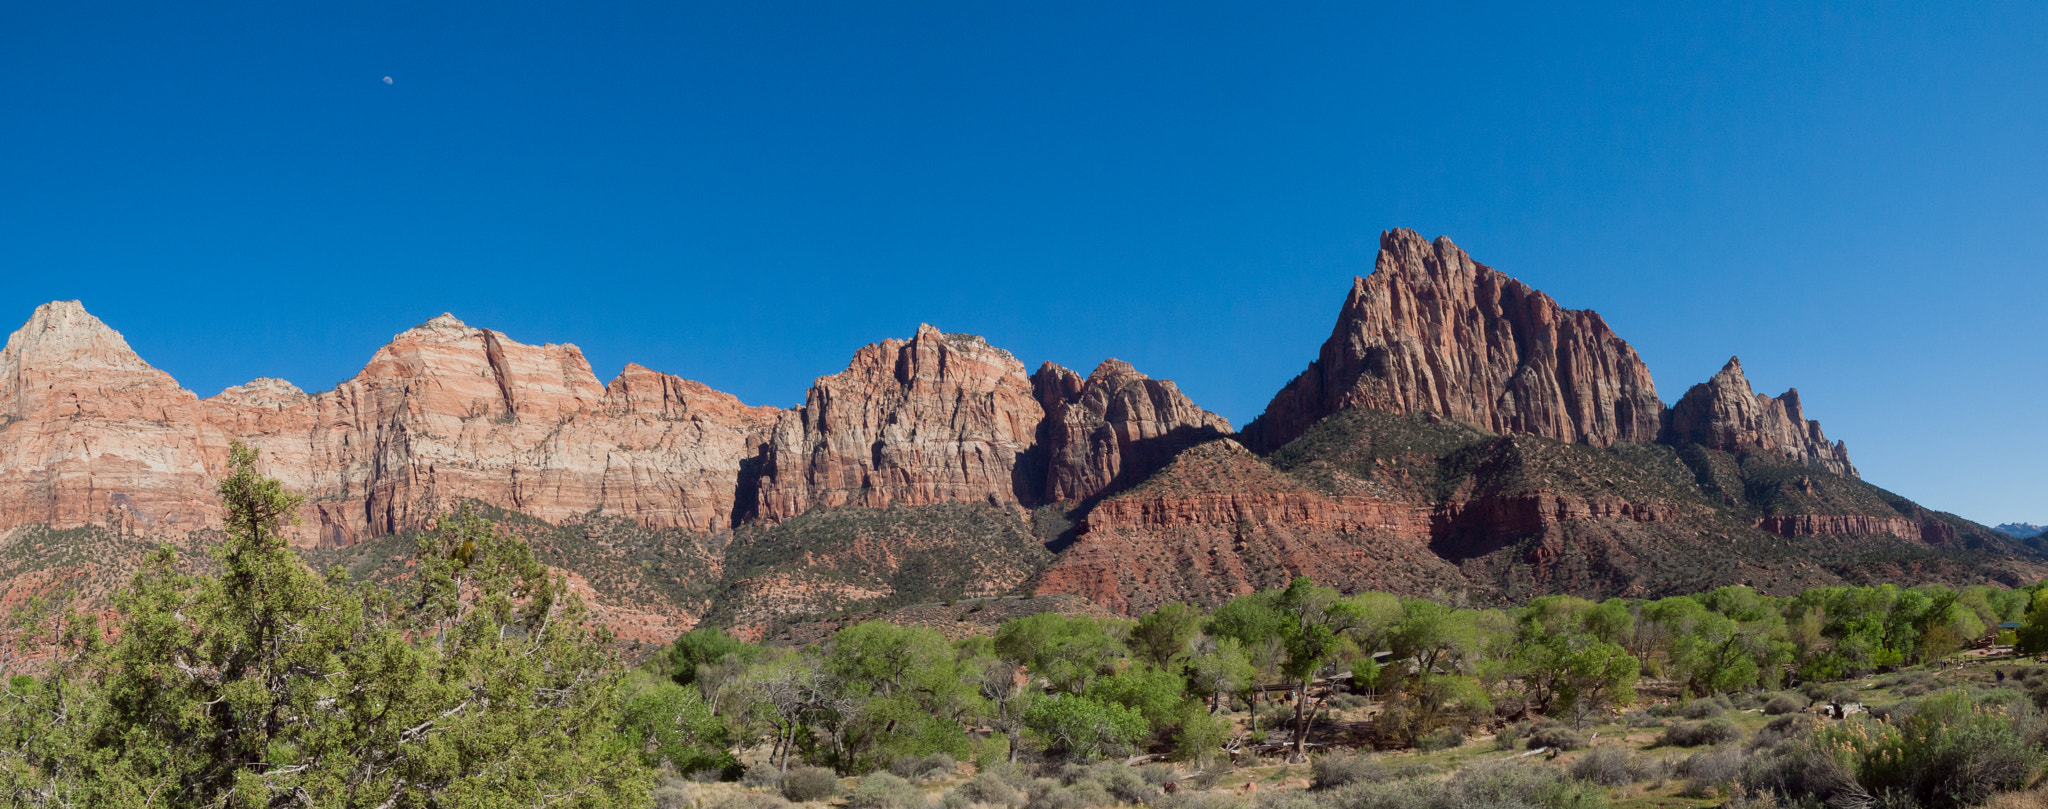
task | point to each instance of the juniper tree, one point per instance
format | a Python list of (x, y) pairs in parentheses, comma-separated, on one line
[(267, 685)]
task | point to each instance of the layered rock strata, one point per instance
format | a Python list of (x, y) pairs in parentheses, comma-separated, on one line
[(1431, 330), (936, 418), (442, 413), (1724, 413), (91, 434)]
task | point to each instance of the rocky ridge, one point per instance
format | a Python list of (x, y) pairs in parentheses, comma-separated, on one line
[(1725, 414), (1459, 434), (1431, 330)]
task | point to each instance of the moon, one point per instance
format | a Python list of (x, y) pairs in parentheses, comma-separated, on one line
[(387, 79)]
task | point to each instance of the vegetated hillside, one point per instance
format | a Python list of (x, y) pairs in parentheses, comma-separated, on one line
[(647, 585), (84, 565), (1414, 504), (834, 560), (953, 618), (1220, 522)]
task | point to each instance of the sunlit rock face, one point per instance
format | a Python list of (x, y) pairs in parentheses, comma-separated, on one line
[(1431, 330)]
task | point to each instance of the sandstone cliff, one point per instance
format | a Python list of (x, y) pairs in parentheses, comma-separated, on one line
[(448, 412), (91, 434), (936, 418), (1431, 330), (1113, 429), (1725, 414)]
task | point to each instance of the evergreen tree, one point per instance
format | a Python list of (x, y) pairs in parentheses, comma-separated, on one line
[(270, 686)]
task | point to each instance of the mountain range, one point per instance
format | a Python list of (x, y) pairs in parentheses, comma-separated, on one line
[(2020, 530), (1459, 434)]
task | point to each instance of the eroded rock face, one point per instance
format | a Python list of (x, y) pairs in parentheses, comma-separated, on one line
[(936, 418), (94, 435), (1114, 429), (447, 412), (91, 434), (1431, 330), (1724, 413)]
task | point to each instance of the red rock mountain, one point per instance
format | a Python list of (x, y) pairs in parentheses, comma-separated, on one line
[(1431, 330), (1113, 429), (949, 418), (442, 413), (1460, 434), (1723, 413), (936, 418)]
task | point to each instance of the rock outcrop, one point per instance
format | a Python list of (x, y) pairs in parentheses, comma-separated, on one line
[(1724, 413), (447, 412), (1431, 330), (936, 418), (1113, 429), (94, 435), (1821, 525), (91, 434)]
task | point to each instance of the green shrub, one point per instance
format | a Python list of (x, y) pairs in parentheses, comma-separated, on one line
[(1608, 766), (989, 787), (1707, 771), (1334, 770), (1124, 784), (1949, 753), (885, 791), (1693, 734), (1703, 709), (1158, 774), (761, 774), (1047, 793), (1784, 704), (1516, 784), (806, 784), (673, 794), (918, 769), (1442, 739), (1510, 736)]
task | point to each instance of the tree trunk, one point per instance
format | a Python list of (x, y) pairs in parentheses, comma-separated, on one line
[(1302, 718)]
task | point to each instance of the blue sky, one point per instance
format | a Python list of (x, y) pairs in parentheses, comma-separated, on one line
[(1850, 196)]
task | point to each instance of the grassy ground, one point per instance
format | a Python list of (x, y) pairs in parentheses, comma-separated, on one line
[(1255, 780)]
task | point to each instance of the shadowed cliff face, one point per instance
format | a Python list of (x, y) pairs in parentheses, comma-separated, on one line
[(1114, 429), (1431, 330)]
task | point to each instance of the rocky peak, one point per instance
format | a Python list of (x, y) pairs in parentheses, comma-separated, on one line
[(262, 392), (61, 334), (88, 429), (936, 418), (1724, 413), (444, 324), (1432, 331), (1113, 429)]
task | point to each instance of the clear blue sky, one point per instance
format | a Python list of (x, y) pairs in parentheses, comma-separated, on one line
[(1852, 197)]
